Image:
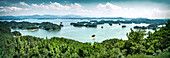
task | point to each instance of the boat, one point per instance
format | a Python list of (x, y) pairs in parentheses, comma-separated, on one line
[(123, 26)]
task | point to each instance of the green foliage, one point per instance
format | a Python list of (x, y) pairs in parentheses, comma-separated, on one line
[(163, 55), (16, 33), (136, 36), (32, 26)]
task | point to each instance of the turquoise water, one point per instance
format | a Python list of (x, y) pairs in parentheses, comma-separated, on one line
[(82, 34)]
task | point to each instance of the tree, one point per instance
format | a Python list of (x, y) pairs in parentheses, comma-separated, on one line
[(135, 36), (16, 33)]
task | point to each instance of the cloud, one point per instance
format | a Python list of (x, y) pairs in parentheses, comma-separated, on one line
[(56, 6), (111, 10), (108, 6), (51, 8), (76, 5), (24, 4), (9, 9), (99, 10)]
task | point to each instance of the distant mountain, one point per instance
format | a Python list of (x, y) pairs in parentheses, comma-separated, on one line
[(39, 17), (9, 18), (61, 17), (48, 16)]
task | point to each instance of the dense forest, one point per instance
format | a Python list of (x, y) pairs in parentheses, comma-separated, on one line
[(156, 45), (32, 26)]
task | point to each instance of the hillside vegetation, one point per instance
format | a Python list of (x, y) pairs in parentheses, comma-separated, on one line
[(31, 26)]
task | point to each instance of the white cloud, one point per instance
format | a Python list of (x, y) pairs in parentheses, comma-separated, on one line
[(109, 6), (1, 7), (51, 8), (9, 9), (24, 4), (56, 6), (101, 10), (76, 5), (111, 10), (35, 5)]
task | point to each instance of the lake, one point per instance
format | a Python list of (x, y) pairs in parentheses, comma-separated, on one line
[(82, 34)]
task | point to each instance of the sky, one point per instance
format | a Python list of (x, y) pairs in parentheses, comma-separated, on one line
[(155, 9)]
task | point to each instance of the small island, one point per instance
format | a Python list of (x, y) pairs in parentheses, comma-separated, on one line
[(85, 24), (151, 26)]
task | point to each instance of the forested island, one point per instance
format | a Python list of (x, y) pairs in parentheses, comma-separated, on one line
[(93, 23), (32, 26), (156, 45)]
